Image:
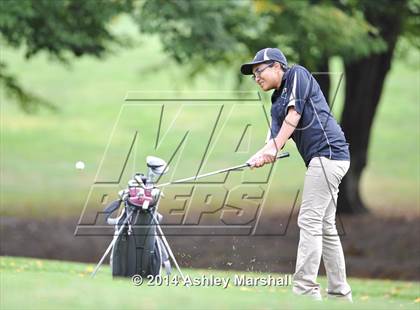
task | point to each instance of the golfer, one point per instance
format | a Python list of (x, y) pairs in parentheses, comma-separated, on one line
[(299, 110)]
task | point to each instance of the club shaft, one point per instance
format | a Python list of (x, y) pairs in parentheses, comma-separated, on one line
[(282, 155)]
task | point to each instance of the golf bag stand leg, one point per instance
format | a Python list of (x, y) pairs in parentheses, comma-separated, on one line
[(111, 244), (168, 248)]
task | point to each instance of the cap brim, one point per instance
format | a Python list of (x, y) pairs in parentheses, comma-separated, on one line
[(246, 69)]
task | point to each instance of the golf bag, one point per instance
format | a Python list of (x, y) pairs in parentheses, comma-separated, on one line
[(139, 245), (138, 249)]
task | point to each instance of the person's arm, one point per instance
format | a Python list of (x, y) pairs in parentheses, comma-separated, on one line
[(274, 127), (300, 90), (269, 152), (289, 125)]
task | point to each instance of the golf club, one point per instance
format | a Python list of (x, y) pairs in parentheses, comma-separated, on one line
[(281, 155)]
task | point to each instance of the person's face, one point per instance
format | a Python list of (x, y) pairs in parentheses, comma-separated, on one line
[(268, 76)]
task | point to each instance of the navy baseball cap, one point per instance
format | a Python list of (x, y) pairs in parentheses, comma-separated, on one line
[(264, 55)]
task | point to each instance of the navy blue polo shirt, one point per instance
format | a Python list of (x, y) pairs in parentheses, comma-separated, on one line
[(317, 133)]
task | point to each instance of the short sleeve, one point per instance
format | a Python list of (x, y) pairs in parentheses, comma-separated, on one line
[(300, 90)]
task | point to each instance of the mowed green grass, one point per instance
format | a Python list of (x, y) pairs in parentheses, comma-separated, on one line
[(39, 151), (43, 284)]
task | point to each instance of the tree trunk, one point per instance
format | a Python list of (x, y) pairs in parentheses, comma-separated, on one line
[(323, 78), (364, 83)]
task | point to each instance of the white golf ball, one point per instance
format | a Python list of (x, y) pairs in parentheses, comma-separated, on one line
[(80, 165)]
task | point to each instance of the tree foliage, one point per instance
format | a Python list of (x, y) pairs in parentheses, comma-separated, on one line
[(199, 32), (411, 25), (60, 28)]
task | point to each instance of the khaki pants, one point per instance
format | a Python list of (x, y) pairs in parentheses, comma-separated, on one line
[(318, 233)]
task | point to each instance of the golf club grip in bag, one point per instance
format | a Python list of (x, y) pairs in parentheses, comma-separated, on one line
[(138, 249)]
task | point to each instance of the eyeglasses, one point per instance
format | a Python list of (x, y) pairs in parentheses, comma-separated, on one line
[(258, 72)]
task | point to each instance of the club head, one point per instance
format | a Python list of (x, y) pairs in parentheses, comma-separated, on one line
[(157, 166)]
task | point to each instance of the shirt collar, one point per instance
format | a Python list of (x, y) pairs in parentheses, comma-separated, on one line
[(277, 92)]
